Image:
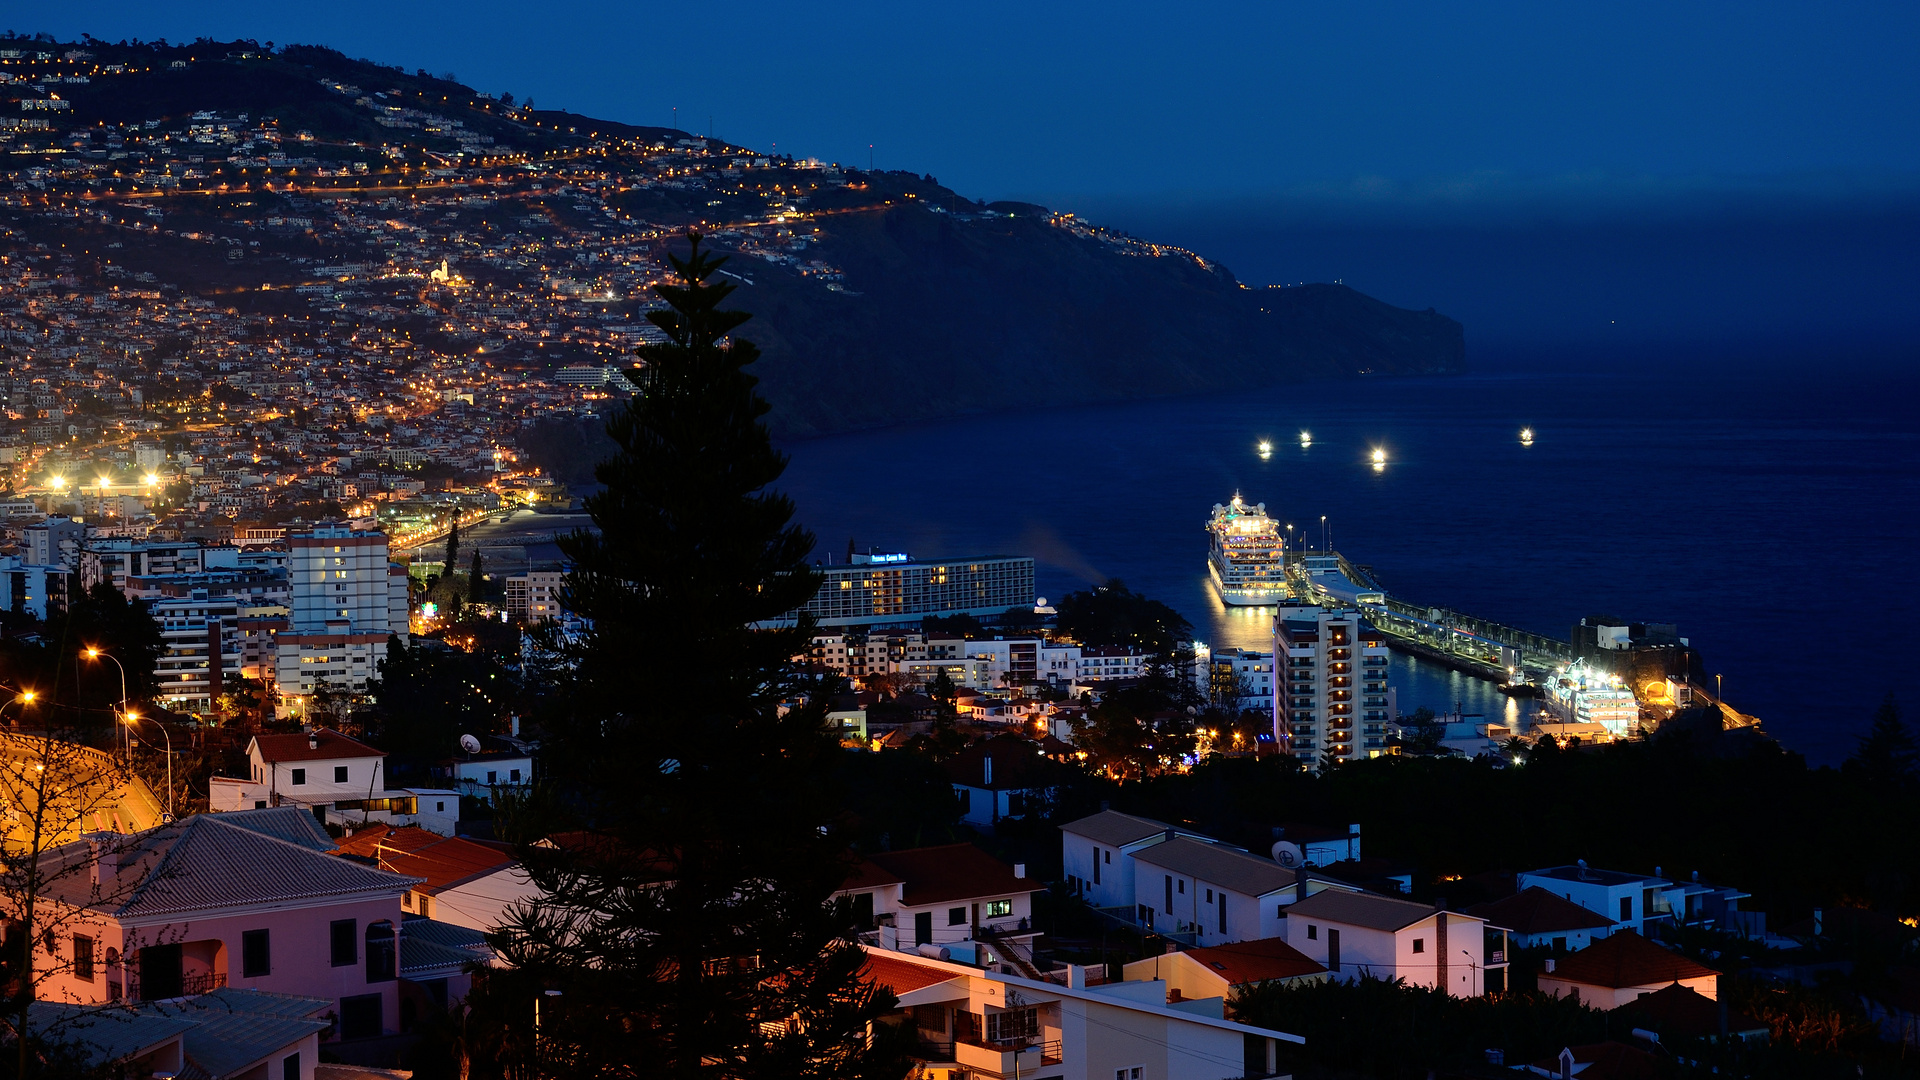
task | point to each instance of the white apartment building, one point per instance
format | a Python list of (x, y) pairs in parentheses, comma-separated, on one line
[(55, 542), (535, 595), (203, 650), (1097, 854), (1240, 678), (348, 599), (115, 559), (1330, 694)]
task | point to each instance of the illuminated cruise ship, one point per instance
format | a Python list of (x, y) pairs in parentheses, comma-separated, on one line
[(1247, 558)]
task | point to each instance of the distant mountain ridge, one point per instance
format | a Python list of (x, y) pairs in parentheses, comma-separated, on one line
[(905, 301)]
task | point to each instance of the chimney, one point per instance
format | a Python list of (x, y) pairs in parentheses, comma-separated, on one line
[(1020, 870), (987, 764), (1172, 948), (513, 725), (1816, 922), (1173, 994), (106, 859), (313, 739), (1549, 965)]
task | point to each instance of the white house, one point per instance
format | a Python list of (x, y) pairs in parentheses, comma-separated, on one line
[(1356, 935), (1097, 854), (1221, 970), (977, 1023), (339, 778), (480, 774), (1535, 918), (1621, 968), (1634, 900), (942, 896), (1207, 893), (1000, 778)]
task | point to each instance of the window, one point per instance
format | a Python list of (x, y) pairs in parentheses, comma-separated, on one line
[(1137, 1072), (339, 774), (1313, 932), (1183, 887), (290, 1067), (492, 777), (1209, 896), (1419, 945), (956, 916), (513, 775), (381, 966), (256, 954), (1096, 866), (1107, 857), (299, 777), (1013, 1024), (1626, 909), (440, 807), (83, 958), (344, 935), (999, 908), (360, 1017), (259, 804)]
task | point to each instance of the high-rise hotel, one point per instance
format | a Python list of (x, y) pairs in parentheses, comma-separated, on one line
[(876, 590), (348, 599), (1330, 695)]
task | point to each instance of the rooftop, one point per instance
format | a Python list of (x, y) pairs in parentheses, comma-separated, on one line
[(937, 875), (1588, 875), (1115, 829), (1217, 864), (440, 862), (1362, 909), (1625, 959), (318, 745), (1534, 910), (1255, 961)]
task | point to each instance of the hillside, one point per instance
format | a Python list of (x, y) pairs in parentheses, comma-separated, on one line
[(879, 297)]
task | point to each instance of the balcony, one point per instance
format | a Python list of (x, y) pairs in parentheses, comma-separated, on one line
[(1006, 1059)]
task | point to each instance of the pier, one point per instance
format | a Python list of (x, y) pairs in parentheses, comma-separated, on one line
[(1467, 643)]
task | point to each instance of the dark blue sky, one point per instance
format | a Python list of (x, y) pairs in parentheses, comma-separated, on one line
[(1396, 145)]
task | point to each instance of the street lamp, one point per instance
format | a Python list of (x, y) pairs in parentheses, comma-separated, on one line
[(130, 719), (94, 653), (24, 697)]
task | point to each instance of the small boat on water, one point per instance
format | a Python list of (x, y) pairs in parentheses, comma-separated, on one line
[(1266, 448), (1306, 439), (1526, 436)]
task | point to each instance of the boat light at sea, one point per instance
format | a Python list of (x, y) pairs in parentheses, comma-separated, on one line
[(1306, 439), (1379, 459), (1266, 448), (1526, 436)]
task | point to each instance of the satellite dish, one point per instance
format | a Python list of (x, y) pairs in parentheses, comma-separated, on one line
[(1042, 602), (470, 744)]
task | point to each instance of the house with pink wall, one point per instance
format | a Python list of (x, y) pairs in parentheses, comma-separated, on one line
[(250, 900)]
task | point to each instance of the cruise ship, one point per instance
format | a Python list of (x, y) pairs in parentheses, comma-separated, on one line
[(1247, 558)]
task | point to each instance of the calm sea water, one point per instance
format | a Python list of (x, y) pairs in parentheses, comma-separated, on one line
[(1772, 515)]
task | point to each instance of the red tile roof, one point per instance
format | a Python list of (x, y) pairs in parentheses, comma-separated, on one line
[(865, 875), (1626, 959), (295, 747), (937, 875), (1255, 961), (1534, 910), (901, 975), (442, 861), (1682, 1010)]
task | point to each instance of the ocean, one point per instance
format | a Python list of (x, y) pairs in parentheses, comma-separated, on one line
[(1771, 513)]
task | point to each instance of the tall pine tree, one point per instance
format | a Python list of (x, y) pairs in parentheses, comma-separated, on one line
[(688, 919)]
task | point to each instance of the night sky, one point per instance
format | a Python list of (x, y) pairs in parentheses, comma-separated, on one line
[(1598, 176)]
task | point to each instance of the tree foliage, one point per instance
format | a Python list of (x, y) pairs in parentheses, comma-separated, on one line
[(689, 920), (1113, 614)]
